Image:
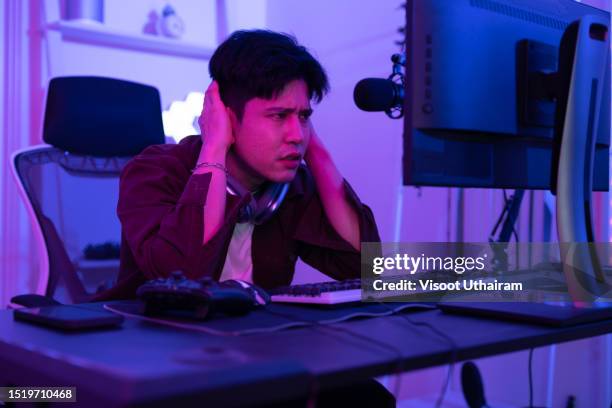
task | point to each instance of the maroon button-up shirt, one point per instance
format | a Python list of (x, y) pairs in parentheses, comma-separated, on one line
[(161, 208)]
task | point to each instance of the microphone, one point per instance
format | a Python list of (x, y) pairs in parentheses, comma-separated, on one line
[(378, 95), (473, 389), (383, 95)]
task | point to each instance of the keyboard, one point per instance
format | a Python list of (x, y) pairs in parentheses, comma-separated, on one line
[(323, 293), (336, 292)]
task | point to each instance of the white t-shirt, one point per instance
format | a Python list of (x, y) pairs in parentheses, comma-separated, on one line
[(238, 262)]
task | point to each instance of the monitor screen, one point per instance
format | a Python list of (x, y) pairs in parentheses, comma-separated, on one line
[(473, 117)]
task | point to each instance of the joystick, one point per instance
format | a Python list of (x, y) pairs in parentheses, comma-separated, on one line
[(199, 299)]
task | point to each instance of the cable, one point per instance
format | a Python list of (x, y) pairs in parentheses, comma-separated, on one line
[(454, 349), (451, 367), (530, 378), (513, 221), (507, 208), (326, 324), (399, 366)]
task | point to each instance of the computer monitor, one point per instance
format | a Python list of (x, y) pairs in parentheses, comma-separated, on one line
[(514, 94), (476, 114)]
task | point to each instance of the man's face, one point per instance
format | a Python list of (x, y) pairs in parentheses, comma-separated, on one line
[(271, 139)]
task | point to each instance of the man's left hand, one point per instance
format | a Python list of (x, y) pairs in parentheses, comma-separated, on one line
[(330, 186)]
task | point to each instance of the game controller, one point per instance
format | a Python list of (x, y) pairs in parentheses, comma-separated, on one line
[(199, 299)]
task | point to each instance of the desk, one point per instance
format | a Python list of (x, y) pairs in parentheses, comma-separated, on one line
[(145, 363)]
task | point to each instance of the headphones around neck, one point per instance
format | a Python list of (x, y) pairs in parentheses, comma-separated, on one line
[(263, 204)]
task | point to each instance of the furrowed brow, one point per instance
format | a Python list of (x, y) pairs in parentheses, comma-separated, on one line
[(280, 110)]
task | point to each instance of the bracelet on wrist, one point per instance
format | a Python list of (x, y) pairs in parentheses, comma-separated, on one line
[(209, 164)]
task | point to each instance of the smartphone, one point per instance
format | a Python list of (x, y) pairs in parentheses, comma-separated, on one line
[(68, 317)]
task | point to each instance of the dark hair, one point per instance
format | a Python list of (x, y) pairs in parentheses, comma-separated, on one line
[(259, 64)]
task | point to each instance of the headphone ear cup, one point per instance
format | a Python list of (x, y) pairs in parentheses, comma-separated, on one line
[(262, 205), (269, 201)]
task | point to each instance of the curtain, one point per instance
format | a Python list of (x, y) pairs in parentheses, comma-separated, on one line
[(17, 262)]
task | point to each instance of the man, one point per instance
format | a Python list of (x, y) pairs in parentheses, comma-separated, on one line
[(174, 207), (176, 213)]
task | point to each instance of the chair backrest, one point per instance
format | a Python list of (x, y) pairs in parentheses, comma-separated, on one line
[(94, 126)]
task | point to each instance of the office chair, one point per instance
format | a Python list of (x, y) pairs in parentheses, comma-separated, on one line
[(93, 126)]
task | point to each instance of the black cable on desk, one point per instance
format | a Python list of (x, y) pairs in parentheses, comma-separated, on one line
[(506, 200), (384, 346), (454, 349), (399, 366)]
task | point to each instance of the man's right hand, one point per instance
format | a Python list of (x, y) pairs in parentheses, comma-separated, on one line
[(217, 137), (215, 125)]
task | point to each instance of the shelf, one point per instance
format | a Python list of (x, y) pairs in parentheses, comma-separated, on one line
[(98, 34), (92, 264)]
